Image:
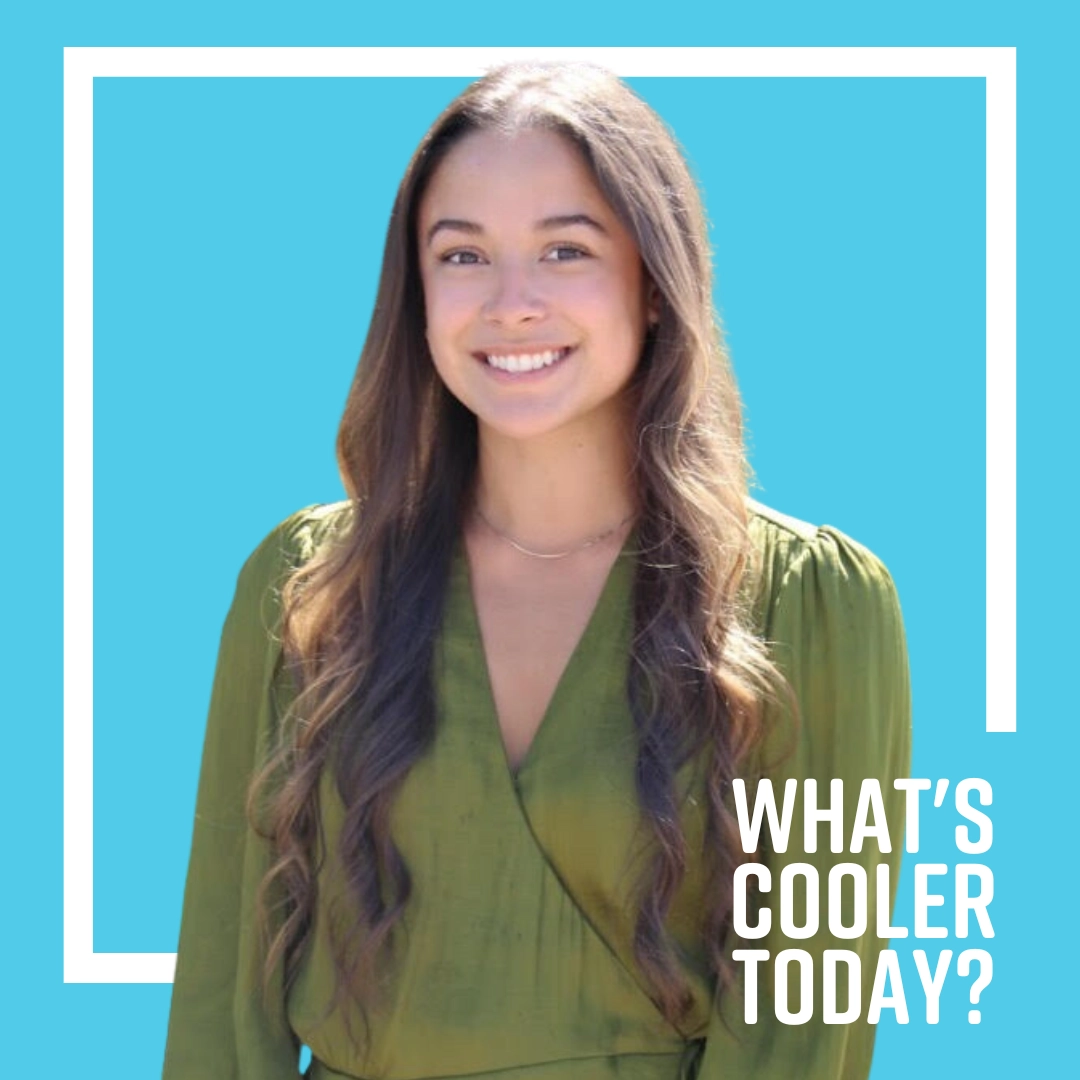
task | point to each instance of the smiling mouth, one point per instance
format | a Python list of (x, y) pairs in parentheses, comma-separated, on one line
[(520, 362)]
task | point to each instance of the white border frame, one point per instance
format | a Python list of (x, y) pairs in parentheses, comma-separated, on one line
[(82, 65)]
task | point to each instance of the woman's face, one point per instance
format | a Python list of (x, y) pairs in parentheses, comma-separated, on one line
[(534, 291)]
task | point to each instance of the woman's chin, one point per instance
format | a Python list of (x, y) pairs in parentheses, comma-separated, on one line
[(602, 423), (519, 428)]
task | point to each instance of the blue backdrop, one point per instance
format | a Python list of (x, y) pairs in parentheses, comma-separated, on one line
[(238, 227)]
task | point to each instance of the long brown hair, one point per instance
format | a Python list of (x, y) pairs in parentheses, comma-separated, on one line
[(361, 617)]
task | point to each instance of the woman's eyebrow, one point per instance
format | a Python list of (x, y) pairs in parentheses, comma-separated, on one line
[(555, 221), (456, 224), (561, 221)]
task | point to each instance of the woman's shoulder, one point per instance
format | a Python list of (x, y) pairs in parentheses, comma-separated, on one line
[(301, 534), (828, 610), (289, 545), (296, 539), (804, 566)]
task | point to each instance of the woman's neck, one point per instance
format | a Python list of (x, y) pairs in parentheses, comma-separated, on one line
[(556, 490)]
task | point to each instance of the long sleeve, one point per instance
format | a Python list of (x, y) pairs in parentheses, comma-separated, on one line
[(221, 1027), (833, 621)]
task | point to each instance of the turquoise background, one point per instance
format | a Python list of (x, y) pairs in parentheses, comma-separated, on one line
[(238, 227)]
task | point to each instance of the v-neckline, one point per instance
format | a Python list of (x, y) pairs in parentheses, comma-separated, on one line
[(616, 583)]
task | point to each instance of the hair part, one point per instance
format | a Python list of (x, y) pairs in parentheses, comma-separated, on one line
[(361, 618)]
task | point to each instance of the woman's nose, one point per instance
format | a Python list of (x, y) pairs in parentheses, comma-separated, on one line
[(515, 297)]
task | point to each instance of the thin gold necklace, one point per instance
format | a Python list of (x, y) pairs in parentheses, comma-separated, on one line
[(591, 542)]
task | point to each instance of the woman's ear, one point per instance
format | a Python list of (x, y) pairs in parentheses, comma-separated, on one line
[(652, 303)]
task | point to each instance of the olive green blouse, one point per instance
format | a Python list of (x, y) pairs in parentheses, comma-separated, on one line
[(514, 957)]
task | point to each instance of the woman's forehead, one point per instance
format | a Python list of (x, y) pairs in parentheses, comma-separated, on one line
[(533, 174)]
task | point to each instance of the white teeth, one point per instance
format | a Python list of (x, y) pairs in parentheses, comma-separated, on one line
[(525, 361)]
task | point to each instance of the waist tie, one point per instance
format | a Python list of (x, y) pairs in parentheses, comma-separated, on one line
[(681, 1066)]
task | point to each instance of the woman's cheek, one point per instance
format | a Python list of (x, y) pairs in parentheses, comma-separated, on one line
[(452, 304)]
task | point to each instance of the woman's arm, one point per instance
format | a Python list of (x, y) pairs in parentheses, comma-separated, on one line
[(221, 1027), (836, 632)]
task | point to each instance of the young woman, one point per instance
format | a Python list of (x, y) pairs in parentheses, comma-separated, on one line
[(495, 703)]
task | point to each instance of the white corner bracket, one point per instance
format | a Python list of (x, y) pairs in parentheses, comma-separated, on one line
[(82, 65)]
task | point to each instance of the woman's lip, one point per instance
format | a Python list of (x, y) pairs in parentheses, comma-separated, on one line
[(532, 352)]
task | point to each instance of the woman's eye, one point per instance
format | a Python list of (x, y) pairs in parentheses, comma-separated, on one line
[(565, 253), (461, 258)]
